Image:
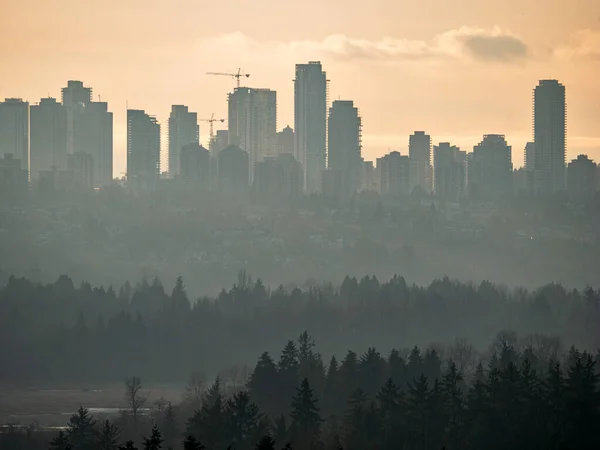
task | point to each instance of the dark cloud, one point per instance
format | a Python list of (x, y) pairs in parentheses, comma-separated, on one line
[(501, 48)]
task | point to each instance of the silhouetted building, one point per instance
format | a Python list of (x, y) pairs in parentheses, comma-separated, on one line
[(332, 185), (449, 165), (310, 122), (48, 136), (252, 122), (81, 165), (233, 168), (394, 170), (549, 125), (183, 130), (195, 165), (582, 181), (74, 97), (529, 156), (14, 130), (367, 176), (143, 150), (277, 178), (219, 141), (419, 152), (490, 173), (89, 129), (285, 141), (13, 178), (344, 142)]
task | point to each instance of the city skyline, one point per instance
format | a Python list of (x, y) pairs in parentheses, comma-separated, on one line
[(362, 64)]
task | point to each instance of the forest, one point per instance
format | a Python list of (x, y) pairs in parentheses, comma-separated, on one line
[(519, 398), (64, 333)]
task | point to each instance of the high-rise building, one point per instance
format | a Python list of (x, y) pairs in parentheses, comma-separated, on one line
[(529, 156), (81, 165), (285, 141), (183, 130), (48, 136), (74, 97), (394, 170), (143, 150), (450, 168), (549, 135), (344, 142), (13, 179), (310, 122), (14, 130), (419, 152), (252, 122), (277, 178), (233, 168), (89, 129), (490, 169), (195, 165), (219, 141), (367, 176), (582, 179)]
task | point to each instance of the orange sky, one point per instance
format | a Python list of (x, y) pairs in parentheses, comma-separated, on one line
[(455, 68)]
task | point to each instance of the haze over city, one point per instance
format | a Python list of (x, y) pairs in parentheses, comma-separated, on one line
[(457, 71)]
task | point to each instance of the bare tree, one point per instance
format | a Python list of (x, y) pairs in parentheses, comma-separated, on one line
[(463, 355), (134, 394), (195, 388)]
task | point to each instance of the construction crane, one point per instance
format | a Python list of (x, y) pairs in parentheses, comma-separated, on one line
[(236, 75), (212, 120)]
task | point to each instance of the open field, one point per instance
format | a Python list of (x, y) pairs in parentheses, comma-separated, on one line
[(52, 407)]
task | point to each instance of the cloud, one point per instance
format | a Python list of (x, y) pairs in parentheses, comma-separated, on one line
[(465, 43), (583, 44)]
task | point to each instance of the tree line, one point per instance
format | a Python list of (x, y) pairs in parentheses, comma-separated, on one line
[(62, 332), (519, 398)]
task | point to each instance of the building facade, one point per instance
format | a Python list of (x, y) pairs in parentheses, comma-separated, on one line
[(14, 130), (394, 170), (233, 168), (345, 144), (252, 122), (48, 136), (310, 122), (450, 169), (195, 165), (285, 141), (582, 178), (549, 136), (143, 150), (183, 130), (419, 152), (490, 169)]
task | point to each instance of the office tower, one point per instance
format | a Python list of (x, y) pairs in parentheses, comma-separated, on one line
[(14, 130), (419, 152), (549, 135), (143, 150), (233, 168), (89, 129), (252, 122), (394, 173), (81, 166), (582, 179), (310, 122), (449, 166), (344, 142), (183, 130), (195, 165), (48, 136), (277, 178), (75, 96), (285, 141), (490, 169), (529, 156), (13, 179), (367, 176)]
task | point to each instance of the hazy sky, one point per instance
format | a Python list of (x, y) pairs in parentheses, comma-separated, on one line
[(457, 69)]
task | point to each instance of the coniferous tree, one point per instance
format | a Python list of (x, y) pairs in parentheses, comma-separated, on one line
[(208, 424), (306, 420), (266, 443), (81, 430), (129, 445), (155, 441), (191, 443), (245, 424), (108, 436), (170, 429), (60, 442), (418, 408)]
